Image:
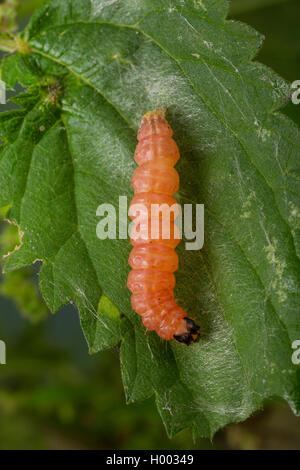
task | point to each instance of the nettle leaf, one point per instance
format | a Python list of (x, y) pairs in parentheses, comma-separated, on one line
[(96, 68)]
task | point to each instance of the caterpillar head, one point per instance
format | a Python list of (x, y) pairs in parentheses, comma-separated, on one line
[(188, 332)]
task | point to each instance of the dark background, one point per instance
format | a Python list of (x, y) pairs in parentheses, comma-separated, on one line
[(53, 395)]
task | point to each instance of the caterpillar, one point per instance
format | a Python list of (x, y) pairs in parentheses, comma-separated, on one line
[(153, 259)]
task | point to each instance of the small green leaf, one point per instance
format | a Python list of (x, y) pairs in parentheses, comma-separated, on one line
[(108, 328)]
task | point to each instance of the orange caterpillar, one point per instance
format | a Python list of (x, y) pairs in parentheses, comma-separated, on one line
[(154, 260)]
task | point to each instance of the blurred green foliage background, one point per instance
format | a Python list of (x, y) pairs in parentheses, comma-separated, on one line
[(53, 395)]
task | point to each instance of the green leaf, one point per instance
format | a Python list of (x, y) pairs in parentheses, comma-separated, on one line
[(109, 63)]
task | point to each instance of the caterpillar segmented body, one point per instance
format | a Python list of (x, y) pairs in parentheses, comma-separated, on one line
[(153, 259)]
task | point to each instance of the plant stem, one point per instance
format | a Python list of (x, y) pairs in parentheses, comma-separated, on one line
[(10, 43)]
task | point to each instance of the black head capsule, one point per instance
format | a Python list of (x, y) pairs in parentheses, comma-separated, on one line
[(190, 335)]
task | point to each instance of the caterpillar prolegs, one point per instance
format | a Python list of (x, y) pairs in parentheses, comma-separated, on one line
[(153, 259)]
